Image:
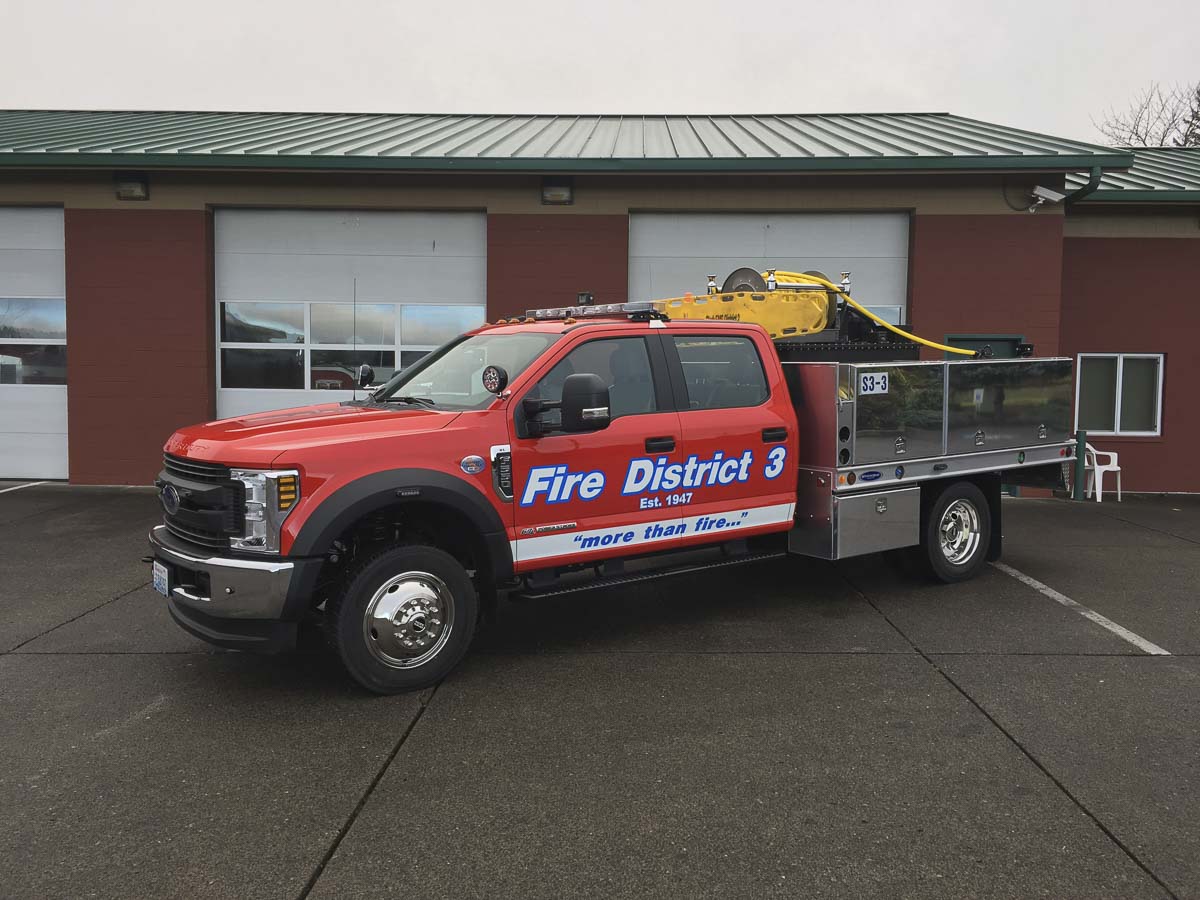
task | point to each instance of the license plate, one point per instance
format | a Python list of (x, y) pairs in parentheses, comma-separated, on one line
[(161, 579)]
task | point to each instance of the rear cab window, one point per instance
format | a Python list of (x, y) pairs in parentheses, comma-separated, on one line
[(721, 371)]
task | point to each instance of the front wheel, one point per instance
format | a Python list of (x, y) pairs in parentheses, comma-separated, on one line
[(404, 620), (957, 533)]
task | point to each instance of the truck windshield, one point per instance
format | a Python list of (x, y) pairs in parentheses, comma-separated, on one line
[(451, 377)]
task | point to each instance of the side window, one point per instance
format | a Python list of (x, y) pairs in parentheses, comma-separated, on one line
[(622, 363), (721, 372)]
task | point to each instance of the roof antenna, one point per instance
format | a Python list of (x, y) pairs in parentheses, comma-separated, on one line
[(354, 324)]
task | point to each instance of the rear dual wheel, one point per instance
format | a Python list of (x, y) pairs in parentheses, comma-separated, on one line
[(956, 533), (405, 618)]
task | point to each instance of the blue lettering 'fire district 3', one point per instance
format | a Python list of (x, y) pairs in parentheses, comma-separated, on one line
[(558, 484)]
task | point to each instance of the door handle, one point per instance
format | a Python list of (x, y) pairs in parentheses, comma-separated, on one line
[(660, 444), (774, 435)]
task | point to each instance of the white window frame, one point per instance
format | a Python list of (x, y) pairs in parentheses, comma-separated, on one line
[(1120, 358)]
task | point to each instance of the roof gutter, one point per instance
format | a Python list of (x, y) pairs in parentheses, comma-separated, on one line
[(1093, 182)]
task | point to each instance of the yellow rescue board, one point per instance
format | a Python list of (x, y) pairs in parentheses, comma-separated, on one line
[(781, 313)]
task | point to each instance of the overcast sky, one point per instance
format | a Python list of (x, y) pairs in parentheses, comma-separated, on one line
[(1047, 66)]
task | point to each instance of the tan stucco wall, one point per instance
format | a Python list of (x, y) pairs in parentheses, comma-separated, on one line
[(594, 194), (1115, 222)]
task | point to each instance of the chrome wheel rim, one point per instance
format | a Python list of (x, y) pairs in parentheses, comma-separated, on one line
[(959, 532), (409, 620)]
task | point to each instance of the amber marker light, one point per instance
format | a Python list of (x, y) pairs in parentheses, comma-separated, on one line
[(289, 491)]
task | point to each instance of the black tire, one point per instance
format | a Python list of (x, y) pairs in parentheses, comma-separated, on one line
[(426, 599), (963, 511)]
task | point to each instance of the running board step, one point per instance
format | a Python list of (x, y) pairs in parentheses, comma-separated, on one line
[(638, 577)]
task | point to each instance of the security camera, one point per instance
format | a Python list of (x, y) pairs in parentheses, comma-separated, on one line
[(1042, 195), (1047, 195)]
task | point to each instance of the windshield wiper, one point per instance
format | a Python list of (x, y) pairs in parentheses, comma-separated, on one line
[(405, 398)]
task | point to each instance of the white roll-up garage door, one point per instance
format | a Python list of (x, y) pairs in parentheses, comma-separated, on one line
[(304, 297), (672, 253), (33, 338)]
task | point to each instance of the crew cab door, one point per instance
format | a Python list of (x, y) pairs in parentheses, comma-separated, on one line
[(733, 406), (571, 501)]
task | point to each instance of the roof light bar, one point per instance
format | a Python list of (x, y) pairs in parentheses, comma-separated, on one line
[(594, 311)]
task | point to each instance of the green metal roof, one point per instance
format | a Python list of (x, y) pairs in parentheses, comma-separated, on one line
[(1159, 175), (863, 142)]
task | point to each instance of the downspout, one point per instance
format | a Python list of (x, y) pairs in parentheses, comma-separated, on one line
[(1092, 183)]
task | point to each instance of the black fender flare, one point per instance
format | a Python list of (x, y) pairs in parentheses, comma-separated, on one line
[(365, 495)]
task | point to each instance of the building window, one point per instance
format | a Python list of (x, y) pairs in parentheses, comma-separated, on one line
[(1119, 393), (298, 345), (33, 340)]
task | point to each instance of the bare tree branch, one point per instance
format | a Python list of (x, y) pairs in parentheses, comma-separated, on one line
[(1157, 117)]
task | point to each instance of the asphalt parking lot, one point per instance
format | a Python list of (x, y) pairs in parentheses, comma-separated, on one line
[(792, 729)]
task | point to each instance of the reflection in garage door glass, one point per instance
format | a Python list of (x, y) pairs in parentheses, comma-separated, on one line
[(262, 323), (337, 370), (262, 368), (33, 364), (34, 319)]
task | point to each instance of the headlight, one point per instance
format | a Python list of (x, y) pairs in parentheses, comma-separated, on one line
[(270, 496)]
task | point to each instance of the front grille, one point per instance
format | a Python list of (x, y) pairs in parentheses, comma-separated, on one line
[(195, 470), (203, 537), (211, 503)]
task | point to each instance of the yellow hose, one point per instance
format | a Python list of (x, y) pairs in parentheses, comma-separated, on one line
[(803, 278)]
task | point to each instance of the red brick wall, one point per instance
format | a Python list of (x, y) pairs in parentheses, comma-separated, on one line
[(140, 326), (1142, 295), (545, 260), (992, 274)]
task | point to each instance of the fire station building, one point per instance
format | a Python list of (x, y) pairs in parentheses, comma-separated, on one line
[(160, 269)]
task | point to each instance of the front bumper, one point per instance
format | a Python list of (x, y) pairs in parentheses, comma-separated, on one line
[(245, 604)]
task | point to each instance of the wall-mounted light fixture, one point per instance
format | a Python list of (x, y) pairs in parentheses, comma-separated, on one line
[(132, 186), (558, 191)]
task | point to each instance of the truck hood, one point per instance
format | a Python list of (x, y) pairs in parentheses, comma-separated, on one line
[(261, 438)]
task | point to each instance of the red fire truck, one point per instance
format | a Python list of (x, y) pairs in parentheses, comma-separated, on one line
[(585, 447)]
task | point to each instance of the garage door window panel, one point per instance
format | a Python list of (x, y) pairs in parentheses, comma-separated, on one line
[(33, 339), (272, 369), (262, 323), (434, 325), (337, 370), (355, 325), (1120, 393), (33, 364), (721, 372)]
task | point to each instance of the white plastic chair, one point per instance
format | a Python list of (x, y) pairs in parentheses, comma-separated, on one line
[(1096, 469)]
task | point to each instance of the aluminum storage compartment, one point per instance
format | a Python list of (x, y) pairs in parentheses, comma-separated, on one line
[(999, 404), (887, 416), (831, 526), (898, 411)]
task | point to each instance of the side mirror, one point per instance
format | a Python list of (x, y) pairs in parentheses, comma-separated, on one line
[(365, 375), (585, 405)]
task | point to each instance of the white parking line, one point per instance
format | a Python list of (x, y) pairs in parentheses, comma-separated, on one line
[(1124, 633), (19, 486)]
